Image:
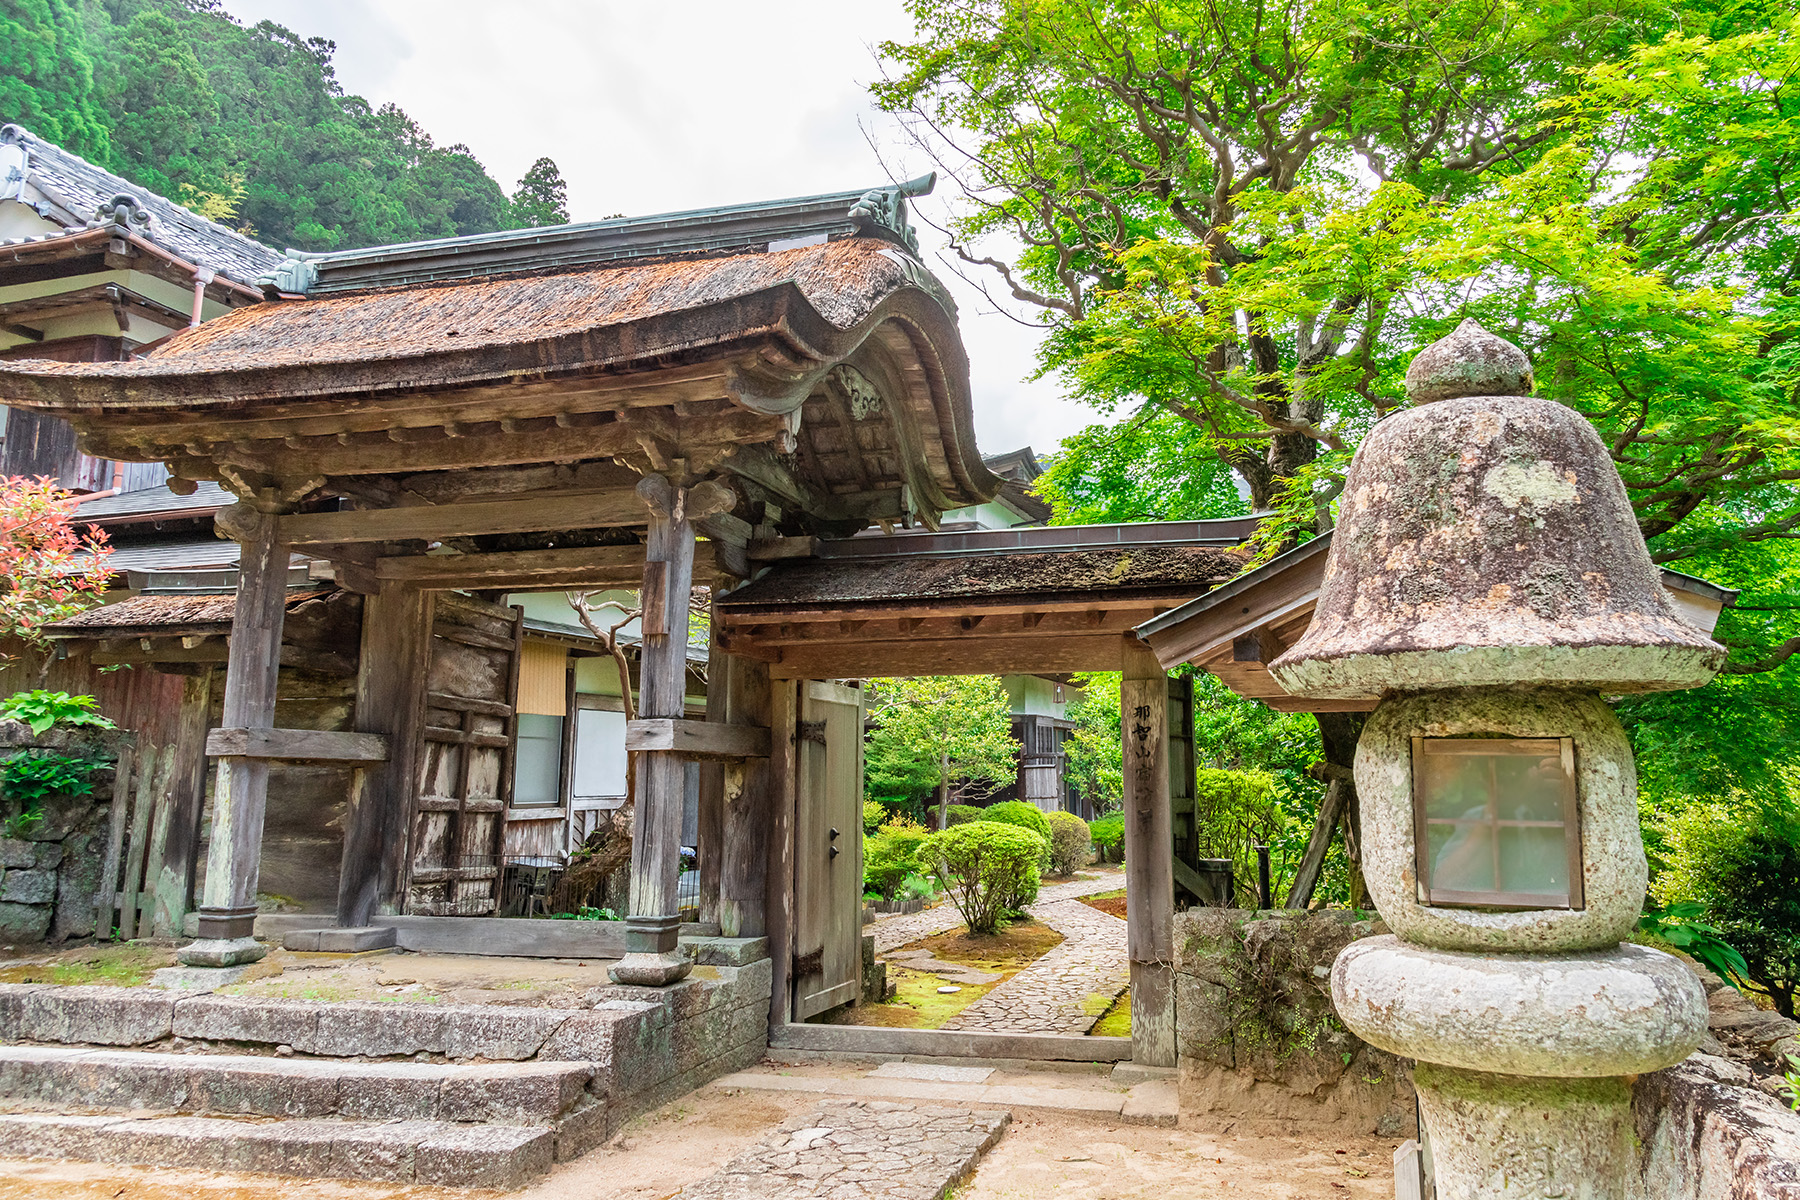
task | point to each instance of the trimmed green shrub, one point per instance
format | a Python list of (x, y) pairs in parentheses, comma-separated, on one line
[(986, 866), (891, 855), (874, 814), (1017, 812), (961, 814), (1069, 842), (1744, 866), (1108, 833)]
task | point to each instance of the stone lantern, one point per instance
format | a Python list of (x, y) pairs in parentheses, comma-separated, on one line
[(1487, 582)]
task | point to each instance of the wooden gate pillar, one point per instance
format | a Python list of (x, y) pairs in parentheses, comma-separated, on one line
[(654, 922), (391, 679), (241, 792), (743, 841), (1149, 850)]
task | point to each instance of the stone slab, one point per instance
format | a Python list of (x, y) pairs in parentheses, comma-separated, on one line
[(939, 1043), (724, 951), (850, 1150), (195, 979), (932, 1072), (97, 1016), (1083, 1100), (334, 940)]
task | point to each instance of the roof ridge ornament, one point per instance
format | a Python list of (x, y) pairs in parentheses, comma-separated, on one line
[(124, 210), (885, 209), (1469, 361), (294, 275)]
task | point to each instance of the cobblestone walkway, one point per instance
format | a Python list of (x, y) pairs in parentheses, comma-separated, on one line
[(893, 932), (1068, 989), (852, 1149)]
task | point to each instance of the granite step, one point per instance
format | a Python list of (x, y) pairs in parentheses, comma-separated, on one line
[(506, 1093), (440, 1153)]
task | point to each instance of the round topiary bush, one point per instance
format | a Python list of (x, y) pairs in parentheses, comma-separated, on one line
[(1069, 842), (986, 866), (1108, 833), (961, 814), (1017, 812)]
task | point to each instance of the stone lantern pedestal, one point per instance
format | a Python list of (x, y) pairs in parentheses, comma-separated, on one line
[(1487, 581)]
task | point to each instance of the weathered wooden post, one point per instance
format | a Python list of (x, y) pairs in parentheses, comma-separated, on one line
[(241, 792), (653, 925), (1149, 848), (744, 836), (390, 700)]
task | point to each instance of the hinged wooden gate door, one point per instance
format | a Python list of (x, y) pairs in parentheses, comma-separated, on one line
[(828, 869), (466, 767)]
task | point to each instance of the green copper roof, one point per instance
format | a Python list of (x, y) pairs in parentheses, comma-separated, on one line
[(871, 212)]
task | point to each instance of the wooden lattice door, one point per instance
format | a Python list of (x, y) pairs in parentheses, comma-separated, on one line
[(828, 868), (466, 764)]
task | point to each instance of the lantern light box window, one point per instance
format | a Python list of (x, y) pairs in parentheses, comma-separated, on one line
[(1496, 823)]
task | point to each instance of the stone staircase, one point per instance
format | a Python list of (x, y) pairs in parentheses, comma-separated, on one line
[(448, 1095), (478, 1125)]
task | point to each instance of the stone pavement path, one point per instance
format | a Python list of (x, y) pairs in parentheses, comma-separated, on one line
[(1067, 989), (895, 931), (857, 1149)]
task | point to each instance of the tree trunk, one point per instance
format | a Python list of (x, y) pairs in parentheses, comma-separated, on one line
[(943, 791), (1339, 733)]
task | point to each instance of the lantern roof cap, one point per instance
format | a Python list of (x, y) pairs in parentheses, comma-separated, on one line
[(1470, 361)]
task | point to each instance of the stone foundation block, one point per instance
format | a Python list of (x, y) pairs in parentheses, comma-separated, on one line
[(24, 922), (529, 1093), (100, 1080), (188, 1143), (581, 1131), (493, 1156), (724, 951), (97, 1016), (386, 1152), (17, 853), (54, 1135), (334, 940), (236, 1019), (502, 1033), (398, 1092), (280, 1088), (28, 887), (601, 1035)]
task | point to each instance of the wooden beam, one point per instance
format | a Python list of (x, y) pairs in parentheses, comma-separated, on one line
[(697, 739), (972, 626), (782, 548), (435, 522), (738, 615), (575, 566), (297, 745), (1257, 646), (973, 656)]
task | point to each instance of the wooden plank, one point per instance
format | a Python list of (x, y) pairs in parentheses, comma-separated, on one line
[(968, 627), (155, 849), (1305, 704), (697, 739), (153, 781), (743, 885), (106, 899), (390, 701), (767, 550), (784, 781), (435, 522), (1149, 850), (942, 1043), (737, 615), (592, 566), (174, 872), (1000, 656), (298, 745), (491, 708)]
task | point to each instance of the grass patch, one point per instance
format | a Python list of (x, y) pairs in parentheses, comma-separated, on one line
[(917, 1004), (1116, 1020), (119, 966)]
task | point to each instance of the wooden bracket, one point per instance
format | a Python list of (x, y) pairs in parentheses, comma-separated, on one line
[(297, 745), (697, 739), (1257, 646)]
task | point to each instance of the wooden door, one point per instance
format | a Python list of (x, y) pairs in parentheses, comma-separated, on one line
[(828, 868), (466, 767)]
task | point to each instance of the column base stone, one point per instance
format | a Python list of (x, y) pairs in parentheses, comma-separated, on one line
[(222, 952), (652, 954)]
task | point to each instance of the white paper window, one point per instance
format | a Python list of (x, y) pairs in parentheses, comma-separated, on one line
[(599, 754), (538, 767)]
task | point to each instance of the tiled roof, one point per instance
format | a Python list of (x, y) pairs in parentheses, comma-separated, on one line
[(73, 189), (152, 501)]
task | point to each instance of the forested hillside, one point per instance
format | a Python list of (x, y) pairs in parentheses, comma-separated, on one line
[(247, 125)]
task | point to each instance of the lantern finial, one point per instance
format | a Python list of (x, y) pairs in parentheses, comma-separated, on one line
[(1469, 362)]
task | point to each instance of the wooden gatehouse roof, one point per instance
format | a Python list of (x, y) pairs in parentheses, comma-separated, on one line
[(799, 349)]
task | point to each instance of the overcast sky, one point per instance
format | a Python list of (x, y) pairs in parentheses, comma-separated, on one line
[(654, 107)]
